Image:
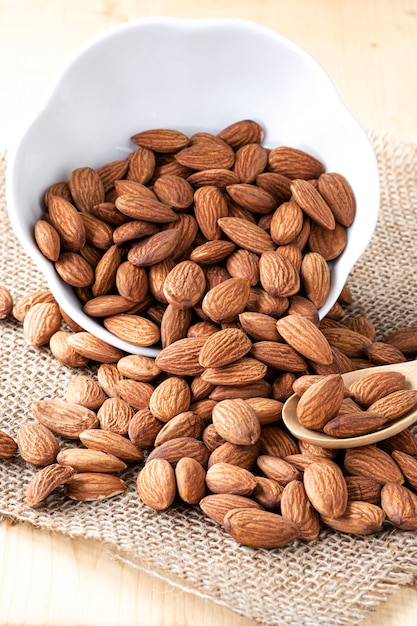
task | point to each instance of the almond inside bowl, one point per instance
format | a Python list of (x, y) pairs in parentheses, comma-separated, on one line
[(193, 76)]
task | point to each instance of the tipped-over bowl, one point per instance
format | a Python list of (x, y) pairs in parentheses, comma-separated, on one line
[(191, 75)]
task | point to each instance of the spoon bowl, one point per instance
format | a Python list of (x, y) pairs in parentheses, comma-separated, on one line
[(289, 413)]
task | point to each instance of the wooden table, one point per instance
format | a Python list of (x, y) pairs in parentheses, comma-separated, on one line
[(369, 48)]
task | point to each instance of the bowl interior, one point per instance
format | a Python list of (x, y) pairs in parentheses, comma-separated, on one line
[(190, 75)]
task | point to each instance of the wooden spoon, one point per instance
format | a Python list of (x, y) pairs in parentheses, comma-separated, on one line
[(289, 412)]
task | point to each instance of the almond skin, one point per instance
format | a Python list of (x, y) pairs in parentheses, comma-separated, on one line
[(89, 486), (156, 484), (64, 418), (326, 488), (185, 424), (338, 194), (216, 505), (210, 205), (171, 397), (47, 239), (374, 463), (67, 221), (224, 347), (185, 285), (246, 235), (278, 469), (86, 391), (93, 348), (321, 402), (85, 460), (8, 446), (45, 481), (359, 518), (181, 357), (244, 371), (312, 203), (294, 163), (278, 276), (190, 478), (136, 329), (111, 443), (366, 390), (296, 507), (395, 404), (300, 333), (400, 505), (228, 478), (224, 302), (236, 421), (41, 322), (37, 444), (259, 529), (161, 140), (174, 449)]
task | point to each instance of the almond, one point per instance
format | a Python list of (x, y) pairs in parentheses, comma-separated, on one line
[(89, 486), (257, 388), (259, 529), (348, 341), (133, 328), (115, 415), (134, 392), (144, 428), (241, 372), (268, 492), (405, 339), (321, 402), (107, 377), (300, 333), (242, 132), (41, 322), (408, 465), (224, 302), (277, 275), (138, 367), (174, 449), (106, 305), (156, 484), (82, 389), (174, 325), (85, 460), (364, 488), (374, 463), (212, 252), (251, 159), (67, 221), (64, 418), (236, 421), (181, 357), (228, 478), (174, 191), (252, 198), (296, 507), (267, 410), (312, 203), (359, 518), (278, 185), (354, 424), (400, 505), (190, 477), (187, 227), (94, 348), (215, 506), (63, 352), (278, 469), (170, 397), (329, 243), (98, 233), (279, 356), (243, 264), (86, 188), (246, 235), (205, 156), (338, 194), (141, 165), (47, 240), (243, 456), (381, 353), (8, 446), (209, 206), (163, 140), (217, 177), (106, 271), (315, 277), (74, 270), (286, 223), (45, 481), (37, 444), (224, 347), (133, 229), (111, 443), (154, 249), (185, 424), (367, 389), (277, 442), (326, 488), (294, 163), (395, 404), (259, 326), (112, 171), (185, 284)]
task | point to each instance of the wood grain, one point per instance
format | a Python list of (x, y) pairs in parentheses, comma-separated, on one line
[(369, 49)]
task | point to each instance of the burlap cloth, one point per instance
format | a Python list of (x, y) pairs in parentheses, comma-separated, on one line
[(336, 580)]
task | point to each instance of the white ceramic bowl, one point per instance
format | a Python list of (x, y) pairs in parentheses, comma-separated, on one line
[(190, 75)]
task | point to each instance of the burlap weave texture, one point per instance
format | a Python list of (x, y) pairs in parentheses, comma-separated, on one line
[(334, 581)]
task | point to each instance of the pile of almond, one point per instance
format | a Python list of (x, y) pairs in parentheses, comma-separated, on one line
[(197, 229), (217, 248), (365, 406)]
